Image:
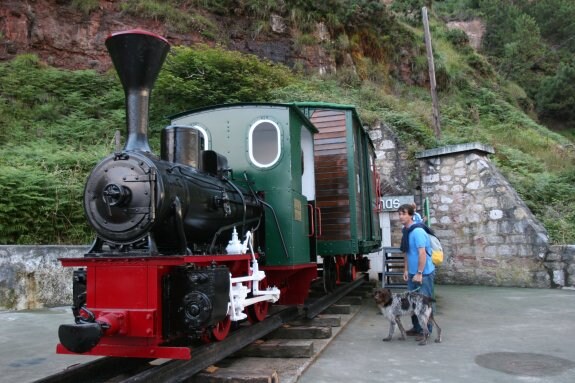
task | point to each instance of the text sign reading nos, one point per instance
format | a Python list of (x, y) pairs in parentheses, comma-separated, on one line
[(392, 203)]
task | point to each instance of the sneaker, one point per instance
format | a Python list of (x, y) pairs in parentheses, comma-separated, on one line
[(412, 332), (420, 337)]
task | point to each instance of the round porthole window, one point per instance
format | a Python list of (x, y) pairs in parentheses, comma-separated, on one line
[(264, 143)]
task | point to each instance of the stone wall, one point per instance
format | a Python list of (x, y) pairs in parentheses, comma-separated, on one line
[(393, 165), (490, 235), (560, 261), (31, 277)]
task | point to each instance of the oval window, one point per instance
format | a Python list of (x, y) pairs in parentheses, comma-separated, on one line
[(205, 142), (264, 143)]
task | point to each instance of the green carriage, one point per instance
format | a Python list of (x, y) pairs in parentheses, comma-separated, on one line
[(318, 188)]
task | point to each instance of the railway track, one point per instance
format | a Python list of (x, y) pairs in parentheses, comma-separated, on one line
[(132, 370)]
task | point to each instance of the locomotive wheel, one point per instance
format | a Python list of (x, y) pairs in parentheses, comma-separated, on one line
[(219, 332), (342, 263), (222, 329), (329, 274), (350, 271), (258, 312)]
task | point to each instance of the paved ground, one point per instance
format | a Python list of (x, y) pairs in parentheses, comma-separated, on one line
[(28, 344), (490, 335)]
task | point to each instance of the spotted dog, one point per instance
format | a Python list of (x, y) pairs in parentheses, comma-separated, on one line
[(393, 306)]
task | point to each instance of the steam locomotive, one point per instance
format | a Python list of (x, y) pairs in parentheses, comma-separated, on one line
[(186, 244)]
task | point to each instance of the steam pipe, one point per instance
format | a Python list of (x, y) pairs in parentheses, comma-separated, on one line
[(138, 56)]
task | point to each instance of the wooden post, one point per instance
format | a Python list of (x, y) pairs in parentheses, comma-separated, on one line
[(433, 85)]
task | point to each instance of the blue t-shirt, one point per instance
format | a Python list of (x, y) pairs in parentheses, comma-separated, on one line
[(419, 238)]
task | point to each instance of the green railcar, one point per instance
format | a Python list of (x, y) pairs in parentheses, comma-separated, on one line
[(313, 165), (345, 179)]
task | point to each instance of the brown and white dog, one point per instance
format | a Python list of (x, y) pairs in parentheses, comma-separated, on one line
[(394, 306)]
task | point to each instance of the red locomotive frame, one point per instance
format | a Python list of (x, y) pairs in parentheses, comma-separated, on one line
[(125, 294)]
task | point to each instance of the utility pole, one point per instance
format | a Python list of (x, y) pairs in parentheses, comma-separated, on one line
[(433, 85)]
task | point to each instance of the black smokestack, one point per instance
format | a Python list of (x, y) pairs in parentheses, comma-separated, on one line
[(138, 56)]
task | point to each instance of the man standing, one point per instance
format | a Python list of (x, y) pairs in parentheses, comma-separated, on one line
[(419, 271)]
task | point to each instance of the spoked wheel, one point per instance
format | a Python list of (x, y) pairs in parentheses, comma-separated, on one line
[(350, 271), (219, 332), (329, 274), (258, 311)]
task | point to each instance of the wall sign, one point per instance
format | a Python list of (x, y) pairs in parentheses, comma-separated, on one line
[(392, 203)]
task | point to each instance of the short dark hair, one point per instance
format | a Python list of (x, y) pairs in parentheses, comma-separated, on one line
[(406, 208)]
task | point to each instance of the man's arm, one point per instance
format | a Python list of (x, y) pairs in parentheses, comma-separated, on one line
[(420, 264), (405, 267)]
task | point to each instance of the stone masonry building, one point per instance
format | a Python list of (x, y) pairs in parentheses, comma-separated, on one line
[(490, 237)]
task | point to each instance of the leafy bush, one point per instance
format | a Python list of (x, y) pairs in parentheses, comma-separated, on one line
[(55, 125), (60, 106), (480, 64), (200, 76), (530, 42), (42, 197), (554, 98), (457, 37), (555, 20), (85, 6), (550, 197), (410, 9)]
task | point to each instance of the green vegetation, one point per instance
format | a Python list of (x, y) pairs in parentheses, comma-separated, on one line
[(55, 124), (192, 78), (175, 14), (530, 43), (85, 6)]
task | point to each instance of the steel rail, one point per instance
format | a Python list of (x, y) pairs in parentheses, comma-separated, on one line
[(101, 369), (180, 371), (316, 307)]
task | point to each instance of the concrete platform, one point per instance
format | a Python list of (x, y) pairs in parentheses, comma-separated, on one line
[(28, 344), (490, 335)]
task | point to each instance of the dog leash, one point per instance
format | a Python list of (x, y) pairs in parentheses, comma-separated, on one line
[(414, 291)]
